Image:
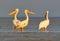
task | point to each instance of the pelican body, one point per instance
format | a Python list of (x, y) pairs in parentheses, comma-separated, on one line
[(43, 24), (20, 24)]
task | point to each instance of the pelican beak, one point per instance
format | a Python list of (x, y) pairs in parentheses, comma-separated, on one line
[(9, 14), (32, 12), (12, 12), (46, 14)]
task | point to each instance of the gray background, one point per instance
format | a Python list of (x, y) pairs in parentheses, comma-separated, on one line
[(39, 6)]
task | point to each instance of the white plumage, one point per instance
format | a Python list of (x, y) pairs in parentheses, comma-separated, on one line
[(44, 24)]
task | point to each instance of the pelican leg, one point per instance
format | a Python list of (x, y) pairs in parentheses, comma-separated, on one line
[(44, 29), (12, 29), (18, 30), (22, 29)]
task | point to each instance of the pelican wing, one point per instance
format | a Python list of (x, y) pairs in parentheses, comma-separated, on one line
[(24, 23), (16, 22), (44, 23)]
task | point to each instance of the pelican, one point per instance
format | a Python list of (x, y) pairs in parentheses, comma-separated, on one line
[(20, 24), (16, 22), (43, 24)]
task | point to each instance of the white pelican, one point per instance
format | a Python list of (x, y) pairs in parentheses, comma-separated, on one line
[(43, 24), (20, 24), (16, 22)]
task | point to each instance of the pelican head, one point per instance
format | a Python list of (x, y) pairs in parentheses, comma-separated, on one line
[(47, 11), (14, 11), (46, 15), (29, 12)]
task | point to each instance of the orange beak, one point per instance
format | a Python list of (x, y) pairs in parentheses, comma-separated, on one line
[(12, 12)]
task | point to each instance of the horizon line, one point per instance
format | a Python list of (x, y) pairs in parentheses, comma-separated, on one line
[(29, 17)]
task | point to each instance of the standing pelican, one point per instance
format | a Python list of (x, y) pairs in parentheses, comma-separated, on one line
[(43, 24), (20, 24), (16, 22)]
